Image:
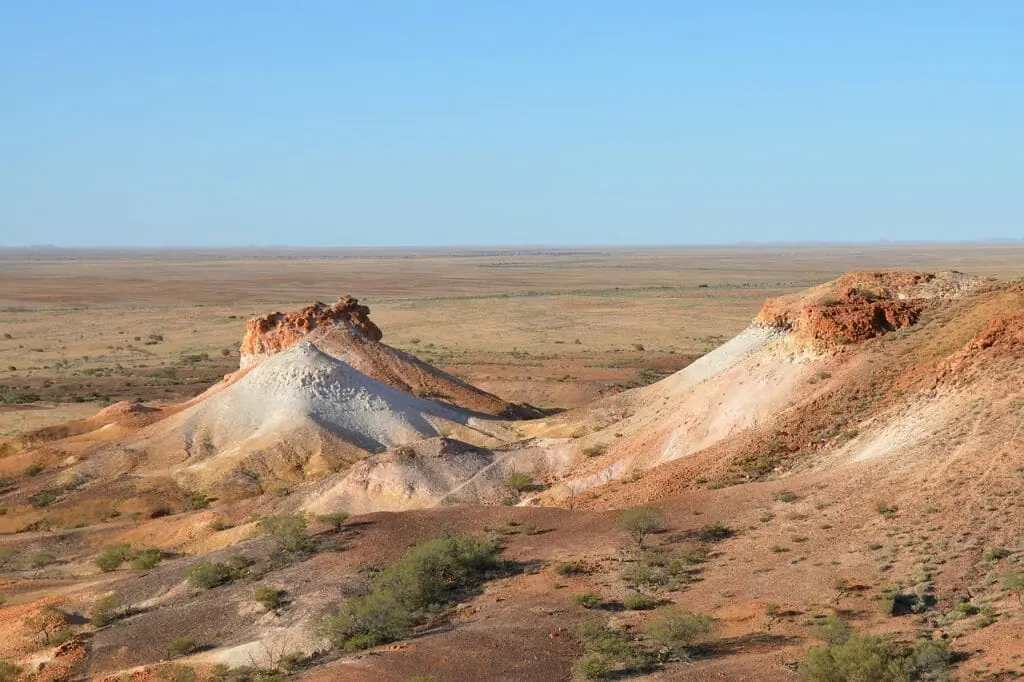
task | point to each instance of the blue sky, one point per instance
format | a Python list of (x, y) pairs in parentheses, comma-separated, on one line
[(359, 122)]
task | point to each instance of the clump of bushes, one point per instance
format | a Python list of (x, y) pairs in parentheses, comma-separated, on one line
[(426, 578), (520, 482), (143, 559), (182, 646), (639, 522), (105, 610), (271, 598), (335, 520), (714, 533), (568, 568), (847, 655), (207, 574), (588, 600), (606, 651), (289, 533), (675, 631), (638, 601)]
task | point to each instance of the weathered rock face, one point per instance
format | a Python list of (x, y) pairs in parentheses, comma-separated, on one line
[(861, 305), (344, 331), (276, 331)]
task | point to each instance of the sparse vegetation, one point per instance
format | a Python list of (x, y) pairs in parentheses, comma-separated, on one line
[(588, 600), (105, 610), (715, 533), (638, 601), (8, 671), (182, 646), (595, 450), (271, 598), (111, 558), (289, 533), (887, 509), (850, 656), (606, 651), (676, 631), (335, 520), (426, 578), (1014, 582), (640, 522), (207, 575), (33, 469), (519, 482)]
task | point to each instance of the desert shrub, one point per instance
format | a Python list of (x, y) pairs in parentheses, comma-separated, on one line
[(714, 533), (426, 577), (9, 672), (997, 553), (595, 450), (786, 496), (859, 657), (105, 610), (44, 498), (641, 575), (195, 501), (606, 650), (588, 600), (886, 509), (7, 557), (207, 575), (568, 568), (637, 601), (519, 482), (269, 597), (676, 630), (639, 522), (146, 559), (61, 635), (364, 622), (335, 520), (219, 524), (289, 533), (182, 646), (42, 559), (1014, 582), (176, 673), (833, 630), (111, 558), (34, 469)]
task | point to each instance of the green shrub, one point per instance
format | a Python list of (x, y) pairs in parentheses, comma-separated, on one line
[(886, 509), (714, 533), (335, 520), (676, 630), (588, 600), (426, 577), (270, 597), (195, 501), (105, 610), (289, 533), (44, 498), (568, 568), (859, 657), (182, 646), (146, 559), (606, 650), (34, 469), (9, 672), (219, 524), (111, 558), (639, 522), (1014, 582), (637, 601), (207, 575), (519, 482), (997, 553), (42, 559)]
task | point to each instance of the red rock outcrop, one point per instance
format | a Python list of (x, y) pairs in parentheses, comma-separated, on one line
[(271, 333), (861, 305)]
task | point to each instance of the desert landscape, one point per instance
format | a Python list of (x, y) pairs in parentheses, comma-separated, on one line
[(530, 464)]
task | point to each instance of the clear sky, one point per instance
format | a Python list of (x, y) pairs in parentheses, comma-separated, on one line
[(376, 122)]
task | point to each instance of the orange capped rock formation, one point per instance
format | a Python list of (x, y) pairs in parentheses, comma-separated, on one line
[(271, 333)]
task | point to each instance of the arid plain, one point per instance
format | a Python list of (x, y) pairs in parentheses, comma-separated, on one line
[(684, 464)]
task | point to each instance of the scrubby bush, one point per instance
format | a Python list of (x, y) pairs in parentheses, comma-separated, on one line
[(207, 575), (105, 610), (289, 533), (271, 598), (9, 672), (606, 651), (588, 600), (426, 577), (111, 558), (182, 646), (637, 601), (850, 656), (146, 559), (639, 522), (886, 509), (42, 559), (176, 673), (44, 498), (568, 568), (786, 496), (33, 469), (1014, 582), (595, 450), (676, 630), (714, 533), (335, 520), (519, 482)]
